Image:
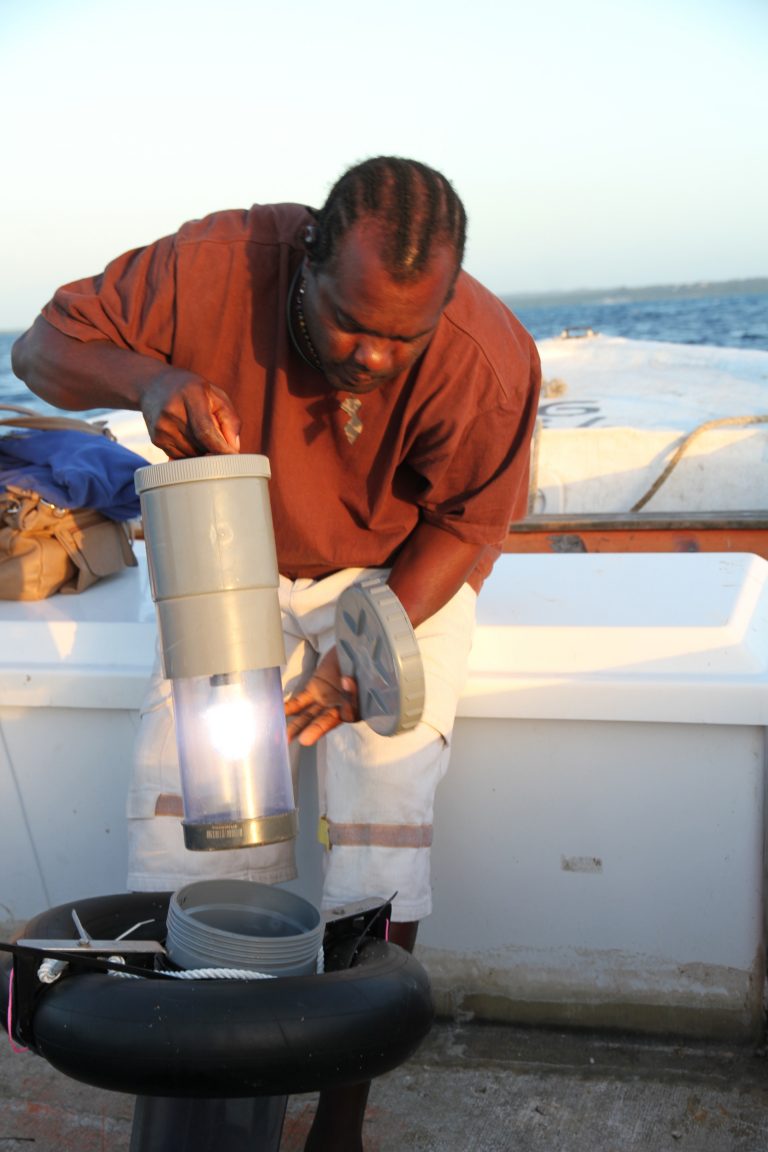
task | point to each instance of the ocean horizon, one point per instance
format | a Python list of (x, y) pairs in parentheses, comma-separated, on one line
[(731, 314), (689, 289)]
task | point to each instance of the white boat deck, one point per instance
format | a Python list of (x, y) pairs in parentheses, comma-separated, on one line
[(614, 411)]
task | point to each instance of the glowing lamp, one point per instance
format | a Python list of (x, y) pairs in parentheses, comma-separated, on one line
[(214, 579)]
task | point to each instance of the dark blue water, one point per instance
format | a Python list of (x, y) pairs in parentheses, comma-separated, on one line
[(728, 321), (725, 321)]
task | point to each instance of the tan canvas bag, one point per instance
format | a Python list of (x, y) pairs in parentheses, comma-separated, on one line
[(46, 549)]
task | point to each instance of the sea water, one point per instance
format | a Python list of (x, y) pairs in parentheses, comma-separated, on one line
[(726, 321)]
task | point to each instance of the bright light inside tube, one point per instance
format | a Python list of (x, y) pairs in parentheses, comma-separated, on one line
[(230, 720)]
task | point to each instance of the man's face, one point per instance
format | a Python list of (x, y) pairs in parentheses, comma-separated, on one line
[(366, 327)]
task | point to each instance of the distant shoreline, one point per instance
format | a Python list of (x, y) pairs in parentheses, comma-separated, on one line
[(755, 286)]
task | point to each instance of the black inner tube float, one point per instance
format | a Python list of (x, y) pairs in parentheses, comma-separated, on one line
[(221, 1038)]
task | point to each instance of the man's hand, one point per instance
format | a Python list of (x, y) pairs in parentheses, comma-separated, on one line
[(329, 699), (189, 417), (185, 414)]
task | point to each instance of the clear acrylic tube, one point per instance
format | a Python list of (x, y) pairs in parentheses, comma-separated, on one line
[(233, 747)]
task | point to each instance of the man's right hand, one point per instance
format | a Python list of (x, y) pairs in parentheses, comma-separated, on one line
[(185, 414), (327, 700), (189, 417)]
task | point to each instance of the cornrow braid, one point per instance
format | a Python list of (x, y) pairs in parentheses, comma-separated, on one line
[(416, 208)]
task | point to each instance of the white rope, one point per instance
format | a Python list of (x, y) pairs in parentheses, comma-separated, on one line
[(198, 973), (50, 970)]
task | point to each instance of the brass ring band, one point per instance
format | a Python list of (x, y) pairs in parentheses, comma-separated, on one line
[(211, 837)]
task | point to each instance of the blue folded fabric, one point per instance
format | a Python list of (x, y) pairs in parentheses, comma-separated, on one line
[(73, 470)]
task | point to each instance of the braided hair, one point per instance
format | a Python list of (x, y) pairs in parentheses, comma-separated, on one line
[(415, 208)]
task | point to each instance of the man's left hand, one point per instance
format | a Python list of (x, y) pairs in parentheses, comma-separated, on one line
[(327, 700)]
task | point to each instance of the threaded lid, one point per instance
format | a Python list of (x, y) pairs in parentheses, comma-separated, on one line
[(195, 468), (377, 645)]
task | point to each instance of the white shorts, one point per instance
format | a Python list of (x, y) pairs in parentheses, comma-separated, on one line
[(376, 792)]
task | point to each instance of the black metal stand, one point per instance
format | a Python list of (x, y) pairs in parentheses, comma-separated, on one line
[(192, 1041), (162, 1123)]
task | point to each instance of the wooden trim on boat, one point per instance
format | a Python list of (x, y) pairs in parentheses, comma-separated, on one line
[(642, 532)]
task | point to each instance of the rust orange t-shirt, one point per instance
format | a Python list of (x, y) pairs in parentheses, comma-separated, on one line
[(447, 442)]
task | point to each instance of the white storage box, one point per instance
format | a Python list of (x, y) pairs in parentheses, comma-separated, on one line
[(73, 671), (598, 853)]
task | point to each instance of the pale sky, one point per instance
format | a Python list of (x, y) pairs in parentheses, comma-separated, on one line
[(595, 143)]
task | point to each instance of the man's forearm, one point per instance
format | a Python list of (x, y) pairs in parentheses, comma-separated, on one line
[(430, 569), (71, 374)]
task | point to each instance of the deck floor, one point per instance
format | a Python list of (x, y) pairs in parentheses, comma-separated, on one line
[(470, 1088)]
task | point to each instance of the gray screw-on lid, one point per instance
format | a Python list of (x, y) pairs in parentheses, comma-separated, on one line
[(377, 645)]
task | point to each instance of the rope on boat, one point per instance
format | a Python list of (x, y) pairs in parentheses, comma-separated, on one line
[(724, 422)]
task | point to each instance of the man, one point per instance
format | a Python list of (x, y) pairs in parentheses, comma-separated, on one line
[(395, 399)]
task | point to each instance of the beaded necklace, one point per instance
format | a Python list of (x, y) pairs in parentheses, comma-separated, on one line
[(313, 357)]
